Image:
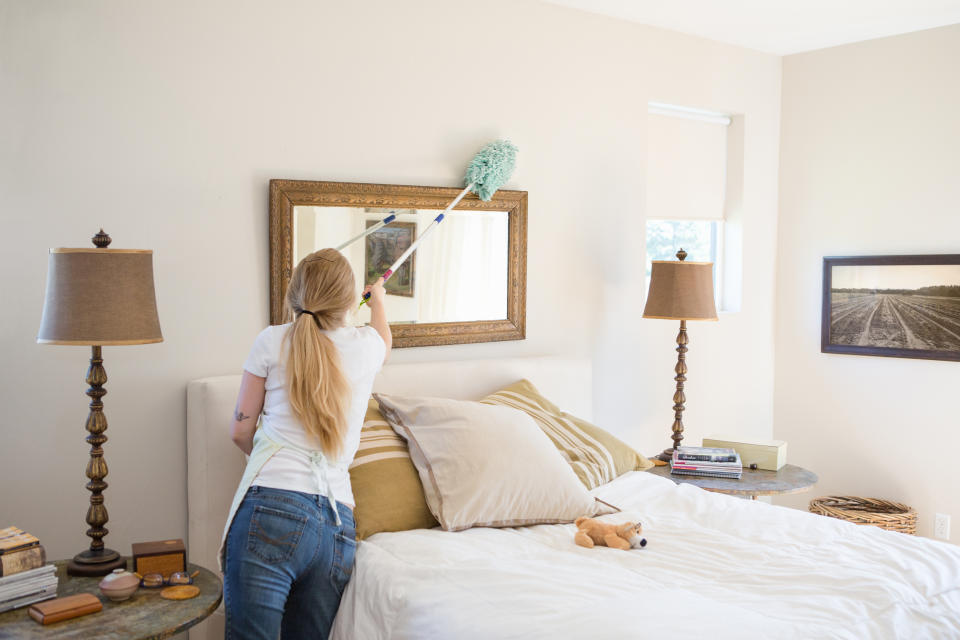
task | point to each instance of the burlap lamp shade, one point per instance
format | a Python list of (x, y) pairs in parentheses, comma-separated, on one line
[(96, 297), (100, 297), (680, 291)]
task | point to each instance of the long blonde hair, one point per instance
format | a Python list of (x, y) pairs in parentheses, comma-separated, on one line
[(320, 294)]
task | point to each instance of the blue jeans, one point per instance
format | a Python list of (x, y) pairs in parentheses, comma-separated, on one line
[(287, 565)]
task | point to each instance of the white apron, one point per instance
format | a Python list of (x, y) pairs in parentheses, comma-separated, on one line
[(264, 447)]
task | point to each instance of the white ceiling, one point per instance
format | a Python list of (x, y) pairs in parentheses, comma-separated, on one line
[(781, 26)]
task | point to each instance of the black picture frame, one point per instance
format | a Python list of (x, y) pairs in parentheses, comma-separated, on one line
[(886, 320)]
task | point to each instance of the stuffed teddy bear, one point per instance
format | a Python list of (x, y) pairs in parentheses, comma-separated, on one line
[(617, 536)]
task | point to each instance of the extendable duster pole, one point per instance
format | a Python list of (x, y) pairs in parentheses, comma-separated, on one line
[(380, 225), (413, 247)]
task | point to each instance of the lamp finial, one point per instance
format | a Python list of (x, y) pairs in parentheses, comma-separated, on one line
[(101, 240), (681, 255)]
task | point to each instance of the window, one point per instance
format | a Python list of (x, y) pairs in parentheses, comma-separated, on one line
[(701, 239), (687, 196)]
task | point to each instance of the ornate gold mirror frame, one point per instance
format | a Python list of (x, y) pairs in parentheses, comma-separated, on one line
[(287, 194)]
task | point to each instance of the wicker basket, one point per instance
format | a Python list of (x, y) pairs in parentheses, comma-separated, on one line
[(880, 513)]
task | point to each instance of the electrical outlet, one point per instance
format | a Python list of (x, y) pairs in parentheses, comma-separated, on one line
[(941, 527)]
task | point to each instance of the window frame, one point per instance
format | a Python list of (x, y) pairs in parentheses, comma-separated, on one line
[(716, 232)]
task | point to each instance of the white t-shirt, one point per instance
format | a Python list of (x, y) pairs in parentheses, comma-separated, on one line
[(362, 351)]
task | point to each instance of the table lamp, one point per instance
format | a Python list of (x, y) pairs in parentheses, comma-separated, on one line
[(680, 291), (99, 296)]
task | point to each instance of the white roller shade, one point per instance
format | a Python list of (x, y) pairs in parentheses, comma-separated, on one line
[(686, 165)]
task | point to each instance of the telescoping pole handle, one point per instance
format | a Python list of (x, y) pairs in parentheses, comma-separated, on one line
[(406, 254), (413, 247)]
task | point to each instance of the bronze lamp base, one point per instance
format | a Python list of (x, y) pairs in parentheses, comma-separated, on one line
[(96, 563), (97, 560), (679, 397)]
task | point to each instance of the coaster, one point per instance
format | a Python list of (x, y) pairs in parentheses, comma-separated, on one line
[(180, 592)]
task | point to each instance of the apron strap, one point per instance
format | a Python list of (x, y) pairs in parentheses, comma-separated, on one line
[(320, 464)]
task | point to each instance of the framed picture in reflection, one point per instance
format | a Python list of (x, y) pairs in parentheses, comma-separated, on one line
[(383, 247)]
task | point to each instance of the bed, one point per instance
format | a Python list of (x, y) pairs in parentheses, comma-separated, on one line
[(715, 566)]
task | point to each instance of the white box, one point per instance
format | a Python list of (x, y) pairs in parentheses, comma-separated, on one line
[(766, 454)]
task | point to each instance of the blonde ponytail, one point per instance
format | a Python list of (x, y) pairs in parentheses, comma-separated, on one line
[(320, 294)]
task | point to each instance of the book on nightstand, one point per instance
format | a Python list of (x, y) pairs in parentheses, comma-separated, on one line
[(28, 587), (706, 461), (19, 551), (14, 539), (24, 578), (23, 560)]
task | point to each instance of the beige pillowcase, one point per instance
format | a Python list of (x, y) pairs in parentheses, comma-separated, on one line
[(486, 466), (386, 485), (597, 457)]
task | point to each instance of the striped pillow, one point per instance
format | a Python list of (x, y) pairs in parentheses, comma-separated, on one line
[(597, 457), (487, 466), (386, 485)]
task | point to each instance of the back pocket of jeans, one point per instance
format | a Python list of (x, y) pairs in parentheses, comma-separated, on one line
[(344, 555), (274, 534)]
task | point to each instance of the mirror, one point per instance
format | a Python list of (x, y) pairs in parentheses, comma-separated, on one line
[(441, 282), (465, 283)]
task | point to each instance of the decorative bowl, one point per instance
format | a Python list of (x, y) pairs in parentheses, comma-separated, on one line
[(119, 585)]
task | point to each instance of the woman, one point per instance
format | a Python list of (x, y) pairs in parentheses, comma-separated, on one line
[(290, 540)]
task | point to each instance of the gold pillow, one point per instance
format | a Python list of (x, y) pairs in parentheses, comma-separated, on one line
[(597, 456), (386, 485)]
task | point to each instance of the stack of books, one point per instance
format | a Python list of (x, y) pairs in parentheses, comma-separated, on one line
[(706, 461), (24, 576)]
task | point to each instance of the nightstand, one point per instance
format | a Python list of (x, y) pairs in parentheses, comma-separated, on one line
[(789, 479), (144, 616)]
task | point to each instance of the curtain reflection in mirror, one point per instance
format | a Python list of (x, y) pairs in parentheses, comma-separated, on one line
[(469, 281)]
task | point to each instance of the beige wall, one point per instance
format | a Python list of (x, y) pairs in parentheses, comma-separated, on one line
[(869, 165), (163, 122)]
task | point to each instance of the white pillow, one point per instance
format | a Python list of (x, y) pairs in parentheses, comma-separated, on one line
[(486, 466)]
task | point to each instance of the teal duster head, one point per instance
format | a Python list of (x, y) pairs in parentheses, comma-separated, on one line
[(490, 168)]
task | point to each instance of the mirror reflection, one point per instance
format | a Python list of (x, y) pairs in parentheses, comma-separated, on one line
[(458, 274)]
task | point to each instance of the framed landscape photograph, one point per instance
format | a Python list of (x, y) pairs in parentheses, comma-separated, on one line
[(900, 306), (383, 247)]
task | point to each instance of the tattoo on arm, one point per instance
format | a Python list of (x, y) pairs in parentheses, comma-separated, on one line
[(240, 416)]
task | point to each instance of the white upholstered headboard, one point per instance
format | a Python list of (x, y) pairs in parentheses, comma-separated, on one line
[(214, 464)]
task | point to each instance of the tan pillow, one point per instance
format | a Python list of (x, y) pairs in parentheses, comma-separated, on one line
[(486, 466), (597, 457), (386, 486)]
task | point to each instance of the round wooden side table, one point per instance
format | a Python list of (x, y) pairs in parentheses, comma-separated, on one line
[(145, 615), (789, 479)]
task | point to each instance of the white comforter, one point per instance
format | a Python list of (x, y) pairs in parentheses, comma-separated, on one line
[(715, 567)]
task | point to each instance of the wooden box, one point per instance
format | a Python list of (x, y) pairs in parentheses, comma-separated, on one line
[(161, 556), (65, 608), (769, 455)]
